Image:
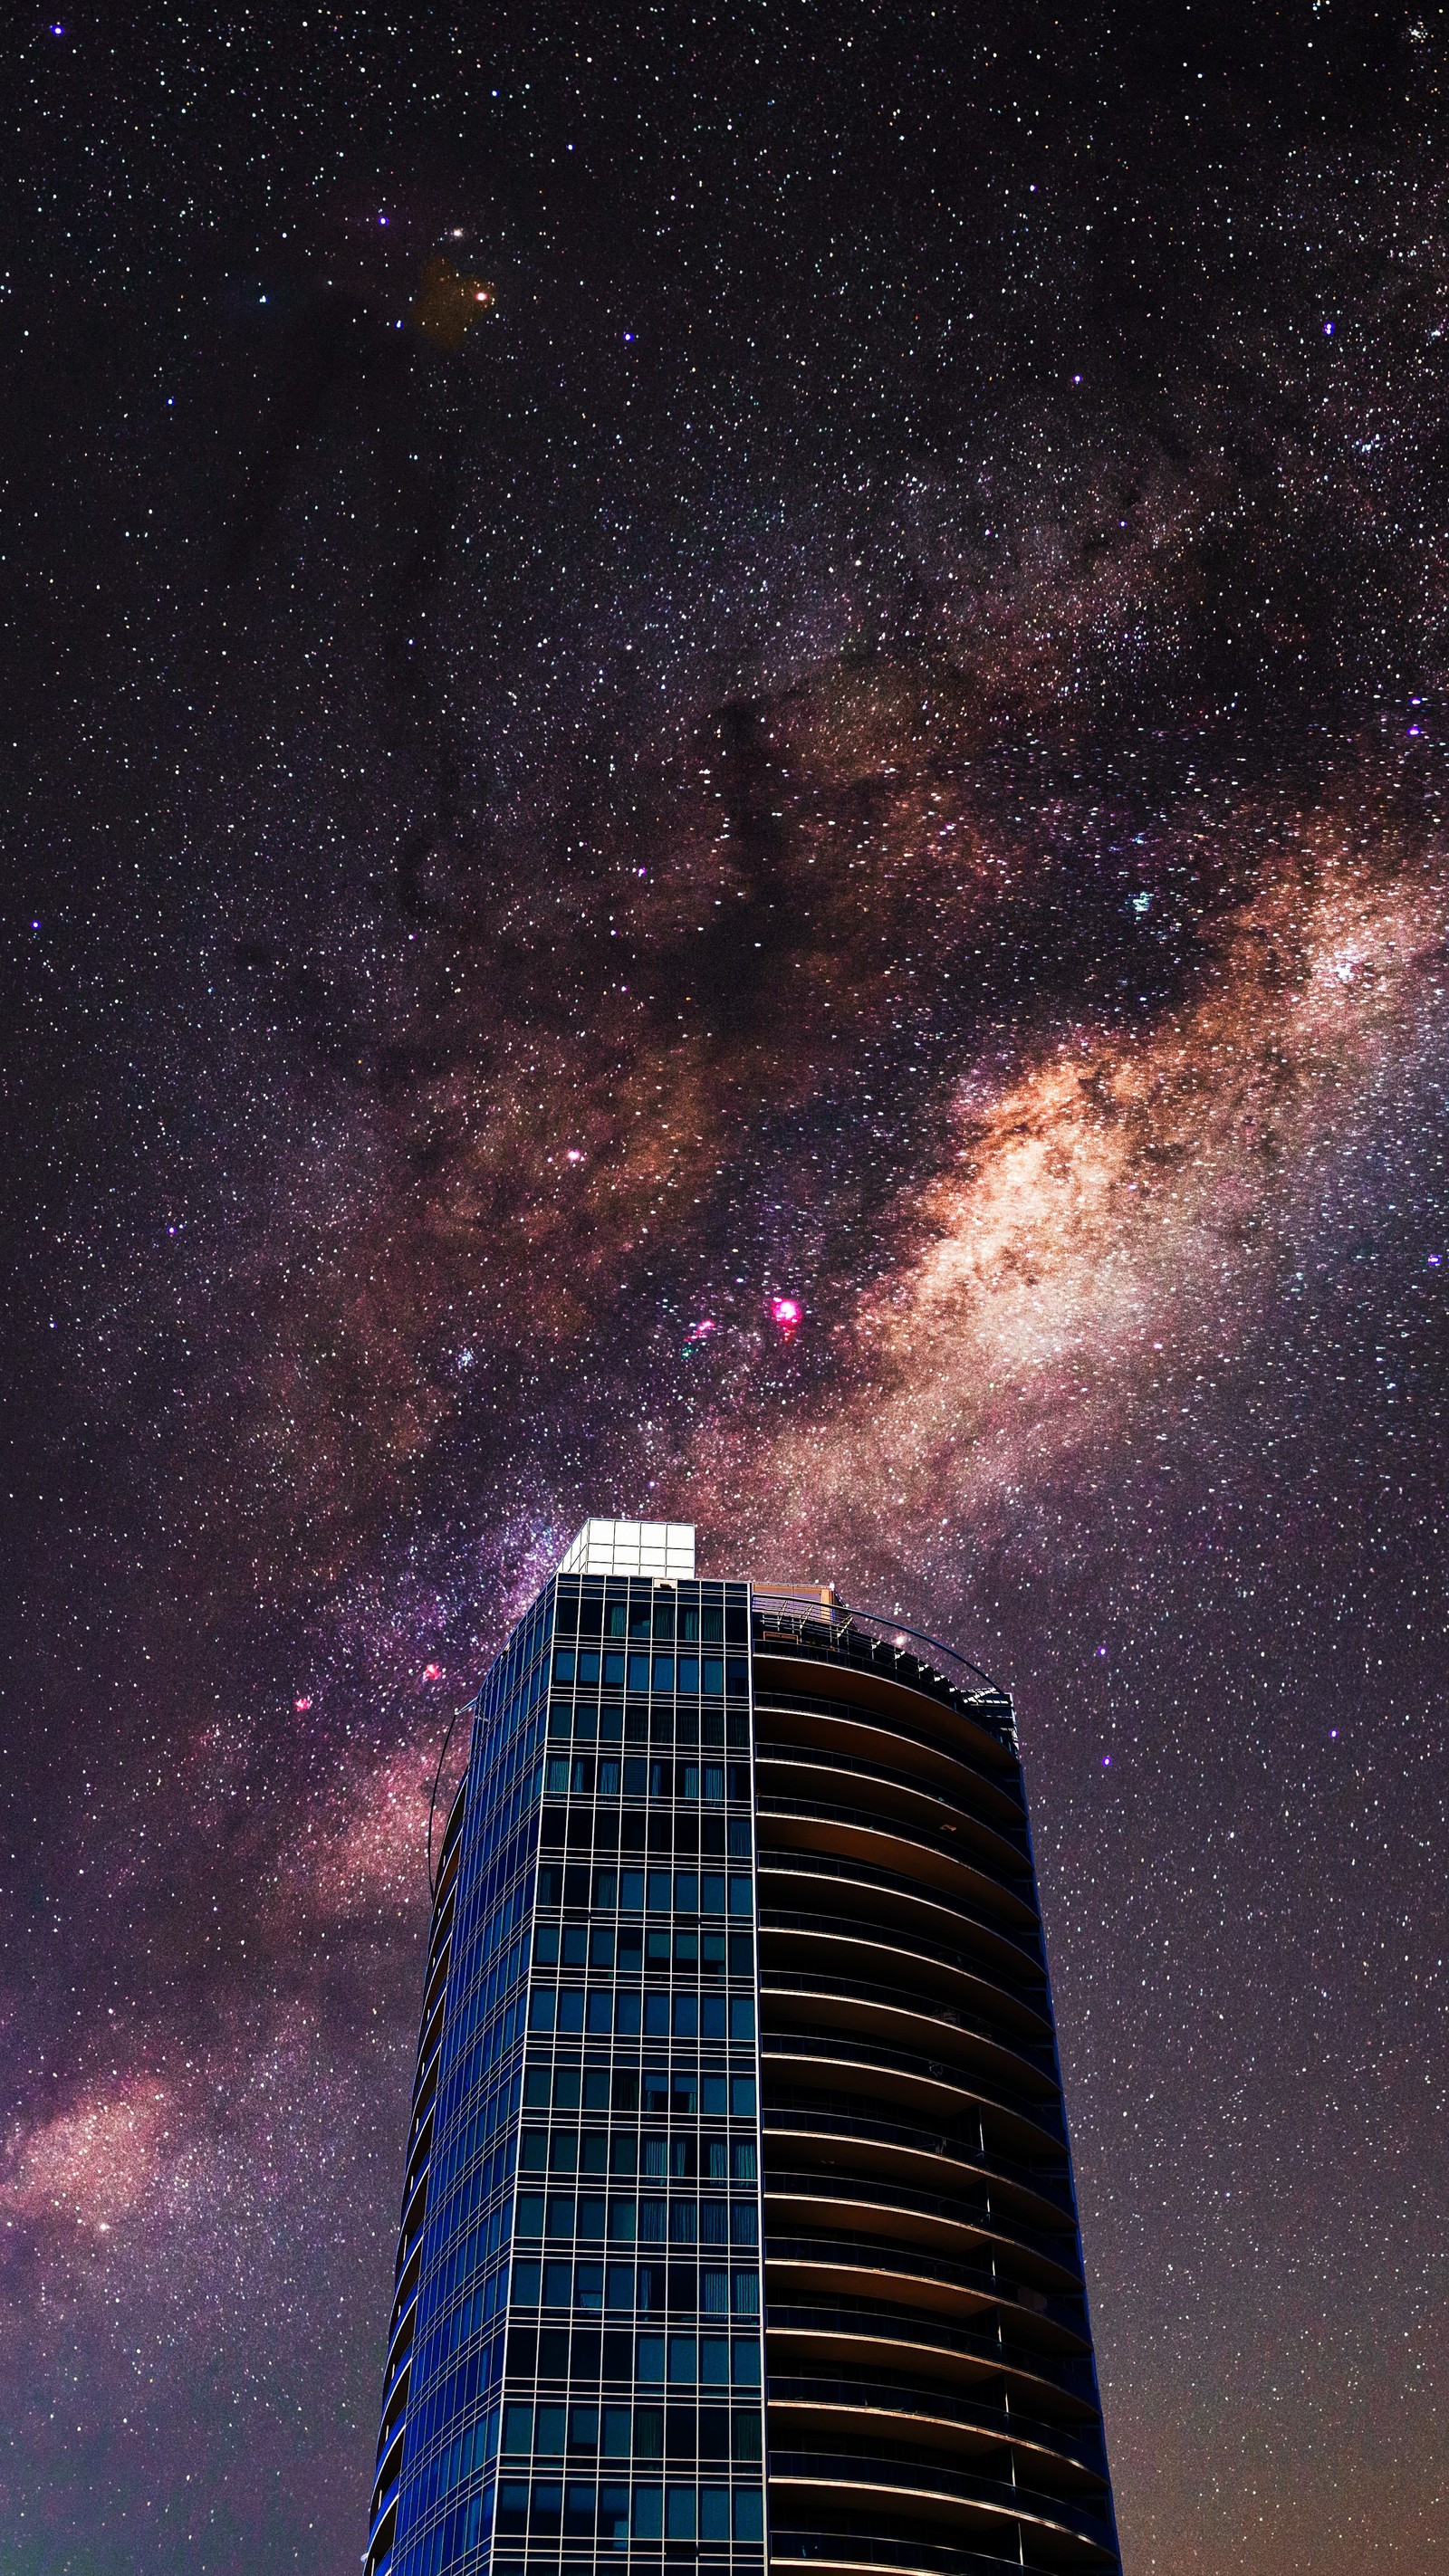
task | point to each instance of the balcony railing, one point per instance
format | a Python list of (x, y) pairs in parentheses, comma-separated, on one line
[(817, 1625)]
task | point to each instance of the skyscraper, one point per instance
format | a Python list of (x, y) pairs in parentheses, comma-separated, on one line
[(738, 2216)]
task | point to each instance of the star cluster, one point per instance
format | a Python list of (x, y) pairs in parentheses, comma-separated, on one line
[(725, 800)]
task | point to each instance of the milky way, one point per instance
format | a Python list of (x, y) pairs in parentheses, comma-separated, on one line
[(725, 800)]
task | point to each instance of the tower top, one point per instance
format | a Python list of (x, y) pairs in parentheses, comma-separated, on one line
[(664, 1549)]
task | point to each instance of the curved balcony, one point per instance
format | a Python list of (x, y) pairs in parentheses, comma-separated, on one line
[(861, 1951), (933, 2091), (379, 2547), (801, 1770), (954, 2504), (860, 2414), (929, 1858), (915, 2348), (867, 1661), (384, 2493), (842, 2553), (887, 1897), (838, 2161), (926, 2030), (844, 2269), (794, 2138), (802, 2201), (797, 1717)]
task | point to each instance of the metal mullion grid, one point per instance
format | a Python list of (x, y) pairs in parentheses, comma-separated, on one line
[(723, 2474), (510, 1710), (759, 2094), (508, 2310), (579, 2555)]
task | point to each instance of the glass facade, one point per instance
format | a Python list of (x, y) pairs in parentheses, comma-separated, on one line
[(735, 2001)]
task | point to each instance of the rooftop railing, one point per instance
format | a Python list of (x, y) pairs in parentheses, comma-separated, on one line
[(815, 1623)]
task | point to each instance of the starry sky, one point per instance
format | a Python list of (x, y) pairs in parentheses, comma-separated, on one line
[(723, 798)]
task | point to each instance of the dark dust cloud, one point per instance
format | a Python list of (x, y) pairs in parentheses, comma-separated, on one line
[(725, 798)]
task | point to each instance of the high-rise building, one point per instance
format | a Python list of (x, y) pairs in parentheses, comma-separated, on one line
[(738, 2218)]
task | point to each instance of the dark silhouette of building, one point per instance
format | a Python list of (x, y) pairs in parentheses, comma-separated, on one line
[(738, 2216)]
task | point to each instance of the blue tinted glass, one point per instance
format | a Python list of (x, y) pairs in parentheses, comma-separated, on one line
[(749, 2514), (714, 2513)]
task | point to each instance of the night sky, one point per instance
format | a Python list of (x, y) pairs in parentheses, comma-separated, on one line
[(661, 669)]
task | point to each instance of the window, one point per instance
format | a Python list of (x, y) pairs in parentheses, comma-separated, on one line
[(679, 2512), (614, 2516), (746, 2433), (749, 2513), (548, 2436), (714, 2513)]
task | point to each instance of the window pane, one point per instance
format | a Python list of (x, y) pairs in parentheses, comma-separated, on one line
[(614, 2516), (548, 2436), (714, 2513), (679, 2513), (649, 2513), (746, 2429)]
